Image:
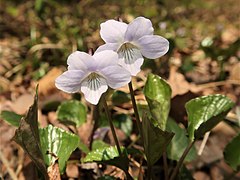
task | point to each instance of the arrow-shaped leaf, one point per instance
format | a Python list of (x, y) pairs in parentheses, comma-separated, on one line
[(155, 140), (158, 95), (56, 142), (27, 136)]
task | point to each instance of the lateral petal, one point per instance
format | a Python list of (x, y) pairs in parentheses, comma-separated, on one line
[(153, 46), (70, 81)]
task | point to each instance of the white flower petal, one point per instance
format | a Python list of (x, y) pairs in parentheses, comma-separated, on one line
[(130, 58), (133, 68), (116, 76), (93, 88), (79, 61), (70, 81), (137, 28), (108, 46), (105, 58), (113, 31), (153, 46)]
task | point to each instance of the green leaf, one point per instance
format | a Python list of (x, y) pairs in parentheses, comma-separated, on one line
[(179, 143), (56, 142), (158, 95), (83, 147), (155, 140), (27, 136), (123, 122), (206, 112), (232, 153), (185, 174), (99, 144), (120, 97), (11, 117), (110, 156), (72, 112)]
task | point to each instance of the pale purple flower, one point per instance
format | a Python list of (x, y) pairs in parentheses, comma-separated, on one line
[(92, 74), (132, 42)]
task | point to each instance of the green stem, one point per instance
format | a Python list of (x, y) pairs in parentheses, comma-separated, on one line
[(135, 110), (95, 117), (165, 164), (149, 171), (111, 126), (179, 164)]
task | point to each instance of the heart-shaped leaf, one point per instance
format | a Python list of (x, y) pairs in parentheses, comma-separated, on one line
[(11, 117), (72, 112), (232, 153), (158, 95), (206, 112), (56, 142), (155, 140), (179, 143), (27, 136)]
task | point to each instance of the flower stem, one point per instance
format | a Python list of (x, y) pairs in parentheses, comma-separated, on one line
[(149, 171), (165, 164), (176, 169), (135, 111), (111, 125)]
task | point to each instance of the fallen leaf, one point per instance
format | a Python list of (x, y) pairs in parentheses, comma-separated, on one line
[(235, 72), (179, 84), (47, 83), (230, 35), (53, 171), (72, 170), (22, 103)]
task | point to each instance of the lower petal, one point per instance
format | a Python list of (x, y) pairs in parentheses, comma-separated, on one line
[(153, 46), (130, 58), (93, 89)]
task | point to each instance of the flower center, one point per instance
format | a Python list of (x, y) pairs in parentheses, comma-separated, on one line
[(94, 81), (128, 52)]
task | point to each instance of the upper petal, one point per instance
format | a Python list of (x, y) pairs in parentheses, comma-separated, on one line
[(70, 81), (80, 61), (113, 31), (116, 76), (105, 58), (153, 46), (138, 28), (93, 89)]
